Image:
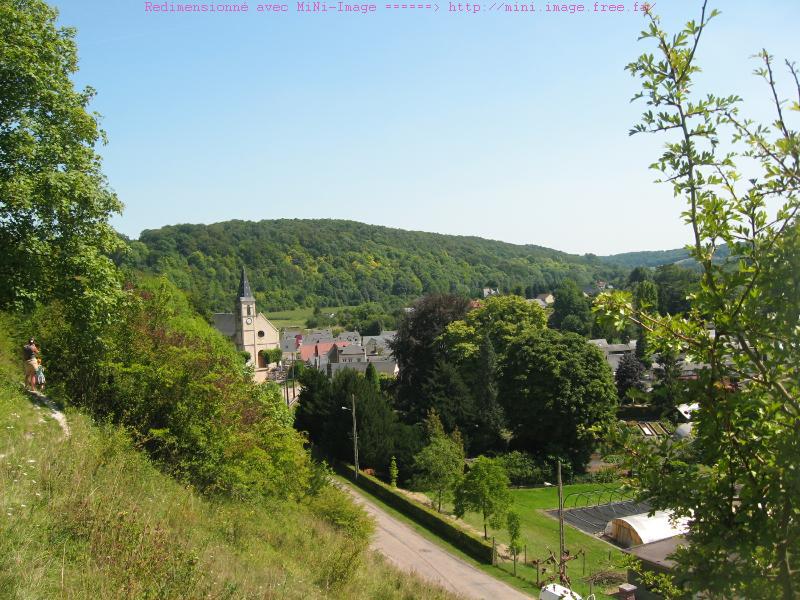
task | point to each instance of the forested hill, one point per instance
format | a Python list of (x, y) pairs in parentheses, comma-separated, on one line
[(295, 263), (656, 258)]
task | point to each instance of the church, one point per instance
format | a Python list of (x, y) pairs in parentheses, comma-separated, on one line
[(250, 330)]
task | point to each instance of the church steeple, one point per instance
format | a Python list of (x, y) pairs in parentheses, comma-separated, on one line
[(245, 293)]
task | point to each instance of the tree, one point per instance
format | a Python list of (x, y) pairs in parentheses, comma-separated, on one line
[(484, 490), (555, 388), (417, 349), (393, 472), (473, 345), (639, 274), (675, 284), (629, 375), (736, 480), (55, 237), (514, 535), (669, 391), (500, 318), (571, 310), (440, 464), (645, 297), (371, 375), (447, 394)]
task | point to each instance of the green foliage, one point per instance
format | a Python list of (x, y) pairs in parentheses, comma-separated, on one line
[(473, 345), (393, 472), (675, 285), (110, 525), (54, 231), (662, 584), (183, 392), (629, 375), (418, 350), (521, 468), (737, 478), (513, 525), (571, 310), (335, 506), (271, 355), (323, 411), (500, 318), (559, 389), (484, 489), (438, 467), (327, 263), (371, 375)]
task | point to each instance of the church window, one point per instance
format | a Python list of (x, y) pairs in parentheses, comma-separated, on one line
[(249, 309), (260, 334)]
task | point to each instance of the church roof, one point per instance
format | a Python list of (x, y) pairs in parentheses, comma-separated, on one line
[(244, 287)]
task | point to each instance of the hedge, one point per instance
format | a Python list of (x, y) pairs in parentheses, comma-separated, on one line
[(470, 544)]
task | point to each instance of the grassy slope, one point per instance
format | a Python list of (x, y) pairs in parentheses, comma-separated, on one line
[(90, 517)]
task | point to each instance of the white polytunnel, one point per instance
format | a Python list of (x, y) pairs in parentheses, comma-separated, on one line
[(635, 530)]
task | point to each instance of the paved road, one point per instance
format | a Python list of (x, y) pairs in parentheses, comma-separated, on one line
[(409, 551)]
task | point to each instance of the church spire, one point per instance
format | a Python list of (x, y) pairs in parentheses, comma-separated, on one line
[(245, 293)]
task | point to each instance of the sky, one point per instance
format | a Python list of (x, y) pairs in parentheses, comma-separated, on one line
[(509, 126)]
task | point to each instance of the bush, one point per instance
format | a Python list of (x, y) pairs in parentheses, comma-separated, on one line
[(522, 469), (336, 507), (182, 391)]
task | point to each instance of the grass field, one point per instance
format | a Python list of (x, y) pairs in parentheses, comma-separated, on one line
[(297, 317), (540, 532)]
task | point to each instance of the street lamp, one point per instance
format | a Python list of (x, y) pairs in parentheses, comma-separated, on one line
[(355, 431)]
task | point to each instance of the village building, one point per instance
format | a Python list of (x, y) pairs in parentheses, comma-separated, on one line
[(614, 352), (249, 329), (547, 298)]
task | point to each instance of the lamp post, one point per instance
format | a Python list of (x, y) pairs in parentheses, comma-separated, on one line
[(355, 431)]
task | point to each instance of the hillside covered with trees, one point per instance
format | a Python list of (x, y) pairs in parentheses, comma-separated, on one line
[(296, 263)]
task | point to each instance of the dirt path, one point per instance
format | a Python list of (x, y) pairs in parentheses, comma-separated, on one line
[(56, 414), (409, 551)]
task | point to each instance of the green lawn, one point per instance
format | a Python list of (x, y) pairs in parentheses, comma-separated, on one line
[(540, 532)]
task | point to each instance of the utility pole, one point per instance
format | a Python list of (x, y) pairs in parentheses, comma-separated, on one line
[(561, 563), (286, 387), (294, 377), (355, 433)]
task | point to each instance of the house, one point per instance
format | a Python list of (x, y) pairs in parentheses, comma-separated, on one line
[(379, 344), (547, 298), (347, 354), (382, 366), (318, 355), (538, 302), (614, 352), (248, 329), (318, 335), (351, 337), (291, 340), (490, 292), (375, 351)]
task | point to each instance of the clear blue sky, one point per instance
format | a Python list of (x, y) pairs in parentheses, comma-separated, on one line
[(506, 126)]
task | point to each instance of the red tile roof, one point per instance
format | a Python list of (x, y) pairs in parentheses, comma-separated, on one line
[(319, 349)]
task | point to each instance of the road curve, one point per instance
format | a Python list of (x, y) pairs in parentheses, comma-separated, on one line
[(409, 551)]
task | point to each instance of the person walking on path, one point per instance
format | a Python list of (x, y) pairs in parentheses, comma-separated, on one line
[(31, 355)]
